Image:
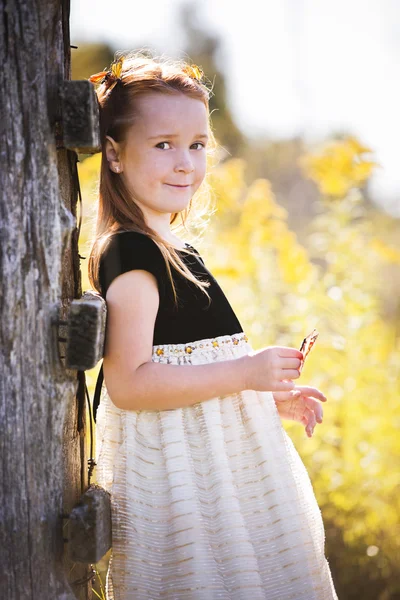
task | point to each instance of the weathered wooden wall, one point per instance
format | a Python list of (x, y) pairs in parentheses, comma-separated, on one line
[(42, 448)]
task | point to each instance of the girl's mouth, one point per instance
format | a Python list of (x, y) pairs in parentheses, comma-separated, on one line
[(179, 187)]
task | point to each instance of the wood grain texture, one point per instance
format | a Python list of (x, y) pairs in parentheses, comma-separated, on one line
[(42, 424)]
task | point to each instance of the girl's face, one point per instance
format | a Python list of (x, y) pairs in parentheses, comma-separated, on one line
[(164, 159)]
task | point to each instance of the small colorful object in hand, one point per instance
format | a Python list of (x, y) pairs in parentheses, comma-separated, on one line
[(307, 344)]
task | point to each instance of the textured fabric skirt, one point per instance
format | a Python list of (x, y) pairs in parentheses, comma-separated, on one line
[(209, 501)]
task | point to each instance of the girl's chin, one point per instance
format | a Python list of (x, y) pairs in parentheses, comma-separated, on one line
[(166, 202), (178, 203)]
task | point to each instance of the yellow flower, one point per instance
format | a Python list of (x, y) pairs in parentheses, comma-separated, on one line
[(339, 167)]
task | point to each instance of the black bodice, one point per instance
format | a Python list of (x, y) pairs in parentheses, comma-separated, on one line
[(194, 318)]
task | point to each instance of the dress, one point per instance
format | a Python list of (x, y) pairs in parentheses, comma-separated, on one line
[(210, 501)]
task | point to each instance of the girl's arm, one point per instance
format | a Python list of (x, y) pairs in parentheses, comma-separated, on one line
[(134, 382)]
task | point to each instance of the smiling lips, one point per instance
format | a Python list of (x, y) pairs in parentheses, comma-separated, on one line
[(178, 186)]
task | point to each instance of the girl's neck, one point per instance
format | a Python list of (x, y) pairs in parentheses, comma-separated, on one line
[(176, 242), (169, 237)]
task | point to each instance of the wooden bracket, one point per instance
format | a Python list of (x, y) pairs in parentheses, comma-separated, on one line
[(86, 329), (89, 526), (79, 130), (83, 333)]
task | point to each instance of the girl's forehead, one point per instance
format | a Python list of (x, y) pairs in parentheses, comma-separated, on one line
[(155, 110)]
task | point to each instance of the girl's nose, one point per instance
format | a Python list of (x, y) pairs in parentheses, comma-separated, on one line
[(184, 164)]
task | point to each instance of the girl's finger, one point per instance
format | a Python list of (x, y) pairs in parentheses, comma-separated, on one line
[(312, 421), (284, 351), (316, 407), (290, 363), (291, 373), (285, 396), (285, 385), (309, 430), (312, 391), (309, 419), (312, 413)]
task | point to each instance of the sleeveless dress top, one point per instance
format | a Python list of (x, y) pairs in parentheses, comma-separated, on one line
[(194, 318), (208, 501)]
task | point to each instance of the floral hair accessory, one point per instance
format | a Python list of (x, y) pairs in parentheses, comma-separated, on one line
[(111, 76), (194, 72)]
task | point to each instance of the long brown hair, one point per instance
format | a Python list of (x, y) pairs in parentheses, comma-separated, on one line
[(117, 210)]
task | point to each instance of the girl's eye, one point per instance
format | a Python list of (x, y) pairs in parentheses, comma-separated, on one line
[(160, 144), (198, 144)]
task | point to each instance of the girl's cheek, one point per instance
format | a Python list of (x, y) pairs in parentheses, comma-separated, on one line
[(162, 163), (201, 167)]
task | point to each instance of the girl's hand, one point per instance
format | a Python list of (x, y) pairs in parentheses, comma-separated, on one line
[(272, 369), (300, 404)]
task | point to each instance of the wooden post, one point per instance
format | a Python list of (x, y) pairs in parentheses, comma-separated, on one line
[(42, 408)]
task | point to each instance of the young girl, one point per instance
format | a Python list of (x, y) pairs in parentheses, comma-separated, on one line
[(210, 499)]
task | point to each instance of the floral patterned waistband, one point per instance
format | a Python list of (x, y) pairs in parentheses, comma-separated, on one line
[(237, 339)]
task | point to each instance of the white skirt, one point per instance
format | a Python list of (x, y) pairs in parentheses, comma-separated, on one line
[(209, 501)]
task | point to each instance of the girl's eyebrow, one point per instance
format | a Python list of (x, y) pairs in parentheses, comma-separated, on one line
[(172, 135)]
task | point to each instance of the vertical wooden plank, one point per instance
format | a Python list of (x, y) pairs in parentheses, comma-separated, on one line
[(42, 425)]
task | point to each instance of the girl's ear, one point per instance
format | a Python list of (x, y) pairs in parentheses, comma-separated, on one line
[(112, 151), (112, 148)]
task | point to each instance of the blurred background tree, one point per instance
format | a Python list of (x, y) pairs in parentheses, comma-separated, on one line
[(296, 243), (203, 48)]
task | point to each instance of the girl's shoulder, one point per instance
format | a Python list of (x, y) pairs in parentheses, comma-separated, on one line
[(128, 239), (137, 239), (128, 250), (127, 242)]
